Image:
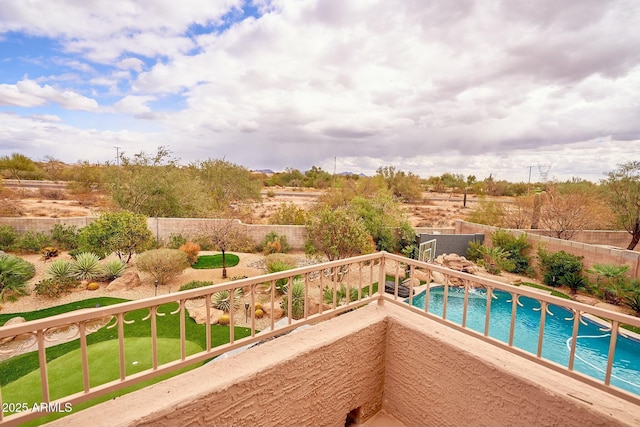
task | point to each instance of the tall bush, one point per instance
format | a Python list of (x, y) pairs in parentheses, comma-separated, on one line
[(8, 236), (557, 265), (517, 250), (162, 264)]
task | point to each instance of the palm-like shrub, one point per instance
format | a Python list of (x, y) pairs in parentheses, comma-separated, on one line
[(59, 269), (610, 283), (86, 266), (14, 274), (221, 300), (111, 270), (631, 297), (574, 281)]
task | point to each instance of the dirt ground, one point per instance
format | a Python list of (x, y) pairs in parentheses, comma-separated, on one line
[(32, 200)]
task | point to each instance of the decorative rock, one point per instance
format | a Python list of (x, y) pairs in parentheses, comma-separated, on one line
[(13, 321), (128, 280), (278, 313)]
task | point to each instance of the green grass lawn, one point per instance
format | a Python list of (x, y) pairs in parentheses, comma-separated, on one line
[(65, 372), (17, 374), (215, 261)]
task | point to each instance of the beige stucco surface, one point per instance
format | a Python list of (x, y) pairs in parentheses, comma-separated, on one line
[(380, 357)]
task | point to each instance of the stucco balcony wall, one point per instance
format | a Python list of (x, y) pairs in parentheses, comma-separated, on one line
[(380, 357)]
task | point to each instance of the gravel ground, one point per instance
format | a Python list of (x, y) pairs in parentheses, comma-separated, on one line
[(250, 265)]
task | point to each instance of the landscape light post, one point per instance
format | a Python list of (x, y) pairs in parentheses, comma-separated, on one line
[(155, 284), (246, 312)]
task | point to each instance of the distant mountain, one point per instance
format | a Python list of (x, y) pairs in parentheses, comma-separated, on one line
[(265, 171), (351, 173)]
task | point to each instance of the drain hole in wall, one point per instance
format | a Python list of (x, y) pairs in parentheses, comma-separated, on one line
[(353, 417)]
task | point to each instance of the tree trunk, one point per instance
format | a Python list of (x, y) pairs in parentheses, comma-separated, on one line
[(635, 237), (224, 265), (535, 217)]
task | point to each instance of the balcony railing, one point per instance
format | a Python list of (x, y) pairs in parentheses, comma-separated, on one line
[(344, 285)]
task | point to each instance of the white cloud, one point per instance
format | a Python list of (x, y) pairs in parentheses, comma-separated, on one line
[(28, 93), (466, 87)]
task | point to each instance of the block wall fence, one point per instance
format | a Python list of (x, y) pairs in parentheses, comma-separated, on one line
[(591, 245), (595, 252), (163, 228)]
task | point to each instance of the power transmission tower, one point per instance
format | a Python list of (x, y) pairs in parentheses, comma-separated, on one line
[(544, 172)]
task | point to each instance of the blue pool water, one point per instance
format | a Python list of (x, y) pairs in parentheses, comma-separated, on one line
[(592, 343)]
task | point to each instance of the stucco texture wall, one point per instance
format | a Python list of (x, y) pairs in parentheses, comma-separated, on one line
[(380, 357), (435, 377)]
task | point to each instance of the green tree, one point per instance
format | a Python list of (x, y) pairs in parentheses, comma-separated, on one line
[(226, 235), (227, 183), (124, 233), (337, 233), (156, 186), (17, 165), (316, 177), (162, 264), (84, 177), (404, 185), (385, 221), (623, 185)]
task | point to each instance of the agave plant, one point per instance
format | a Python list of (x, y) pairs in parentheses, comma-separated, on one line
[(86, 266), (59, 269), (113, 269), (220, 300)]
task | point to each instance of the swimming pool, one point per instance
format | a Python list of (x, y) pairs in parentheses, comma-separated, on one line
[(592, 343)]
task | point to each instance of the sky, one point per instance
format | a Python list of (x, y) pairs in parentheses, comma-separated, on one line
[(507, 88)]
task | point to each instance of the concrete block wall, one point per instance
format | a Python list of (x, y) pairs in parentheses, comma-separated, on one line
[(163, 228), (590, 253)]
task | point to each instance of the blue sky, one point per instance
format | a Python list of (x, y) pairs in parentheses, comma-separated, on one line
[(472, 87)]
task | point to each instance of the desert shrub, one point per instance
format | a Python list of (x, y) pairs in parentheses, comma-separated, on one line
[(224, 319), (557, 265), (162, 264), (274, 243), (516, 248), (195, 284), (238, 278), (220, 300), (259, 313), (113, 269), (495, 259), (258, 306), (59, 269), (55, 288), (14, 274), (280, 262), (8, 236), (341, 294), (93, 286), (176, 240), (289, 214), (191, 249), (65, 237), (297, 300), (31, 242), (86, 266)]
